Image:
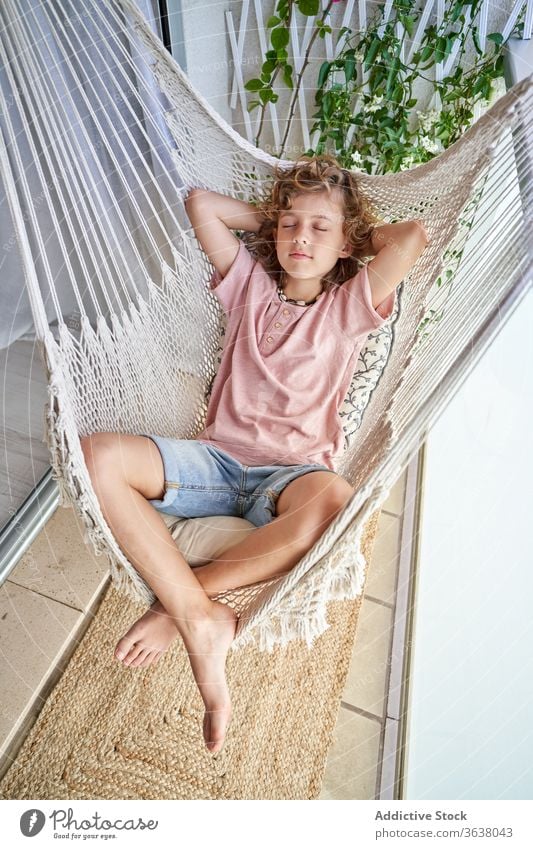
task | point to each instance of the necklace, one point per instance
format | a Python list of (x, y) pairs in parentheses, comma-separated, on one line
[(283, 297)]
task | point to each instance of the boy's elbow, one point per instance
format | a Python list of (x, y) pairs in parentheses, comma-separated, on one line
[(421, 230)]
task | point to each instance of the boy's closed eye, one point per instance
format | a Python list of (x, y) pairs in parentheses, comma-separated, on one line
[(324, 229)]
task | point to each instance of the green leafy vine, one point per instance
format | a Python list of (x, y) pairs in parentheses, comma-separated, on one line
[(396, 137)]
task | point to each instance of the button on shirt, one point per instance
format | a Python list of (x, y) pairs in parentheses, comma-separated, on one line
[(285, 369)]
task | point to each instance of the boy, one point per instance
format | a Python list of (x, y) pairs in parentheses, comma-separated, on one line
[(297, 320)]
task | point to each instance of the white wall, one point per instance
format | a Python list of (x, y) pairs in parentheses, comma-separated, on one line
[(470, 732), (204, 53), (471, 680)]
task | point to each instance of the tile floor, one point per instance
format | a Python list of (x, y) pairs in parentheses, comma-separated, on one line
[(45, 608), (353, 766)]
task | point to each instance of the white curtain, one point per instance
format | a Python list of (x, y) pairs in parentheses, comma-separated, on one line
[(35, 36)]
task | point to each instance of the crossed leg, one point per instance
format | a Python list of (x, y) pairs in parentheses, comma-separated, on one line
[(126, 471)]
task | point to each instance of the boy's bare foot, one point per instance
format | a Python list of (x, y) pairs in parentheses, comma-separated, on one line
[(207, 642), (147, 638)]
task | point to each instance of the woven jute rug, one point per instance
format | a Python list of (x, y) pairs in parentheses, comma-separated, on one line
[(108, 732)]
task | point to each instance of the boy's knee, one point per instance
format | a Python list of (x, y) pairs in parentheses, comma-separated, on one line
[(99, 450), (333, 498), (319, 502)]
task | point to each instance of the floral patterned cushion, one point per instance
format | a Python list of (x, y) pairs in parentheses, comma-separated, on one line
[(370, 364)]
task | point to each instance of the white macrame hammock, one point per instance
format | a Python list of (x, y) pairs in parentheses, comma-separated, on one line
[(135, 344)]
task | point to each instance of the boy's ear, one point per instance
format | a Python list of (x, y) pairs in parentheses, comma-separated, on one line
[(346, 250)]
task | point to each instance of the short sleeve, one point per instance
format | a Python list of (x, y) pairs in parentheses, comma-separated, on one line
[(355, 311), (231, 289)]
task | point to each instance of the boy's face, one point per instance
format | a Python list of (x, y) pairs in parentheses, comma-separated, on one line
[(314, 227)]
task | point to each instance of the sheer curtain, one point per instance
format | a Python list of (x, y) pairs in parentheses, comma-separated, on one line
[(67, 44)]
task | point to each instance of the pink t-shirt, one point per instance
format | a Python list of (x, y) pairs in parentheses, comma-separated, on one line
[(285, 369)]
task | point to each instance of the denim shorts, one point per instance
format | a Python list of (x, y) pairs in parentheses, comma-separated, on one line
[(203, 480)]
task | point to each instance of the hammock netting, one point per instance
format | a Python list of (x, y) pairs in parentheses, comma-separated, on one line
[(129, 331)]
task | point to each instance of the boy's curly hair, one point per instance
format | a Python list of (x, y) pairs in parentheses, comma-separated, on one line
[(313, 174)]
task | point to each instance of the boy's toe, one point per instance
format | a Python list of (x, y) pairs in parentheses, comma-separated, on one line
[(214, 727), (146, 658), (123, 648), (142, 655), (150, 659), (132, 654)]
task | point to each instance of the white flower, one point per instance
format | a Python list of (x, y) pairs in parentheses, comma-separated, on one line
[(429, 145), (407, 162), (427, 120), (356, 158), (374, 104)]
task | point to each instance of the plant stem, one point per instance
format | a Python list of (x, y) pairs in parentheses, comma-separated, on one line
[(299, 81)]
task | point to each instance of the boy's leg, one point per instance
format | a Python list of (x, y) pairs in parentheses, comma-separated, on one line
[(126, 471), (304, 509)]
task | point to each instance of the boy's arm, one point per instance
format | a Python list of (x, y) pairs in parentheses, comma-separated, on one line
[(212, 215), (396, 248), (382, 232)]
